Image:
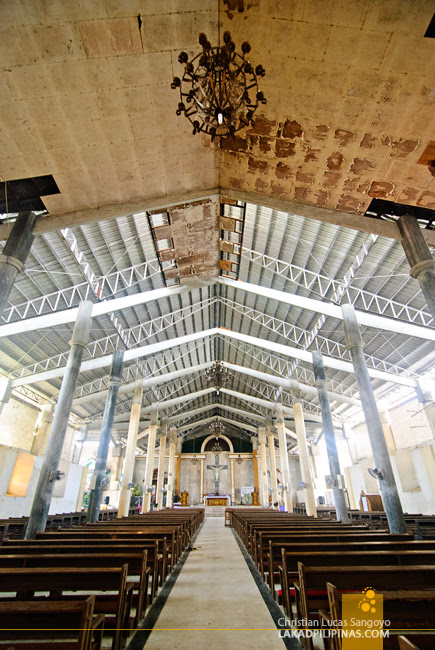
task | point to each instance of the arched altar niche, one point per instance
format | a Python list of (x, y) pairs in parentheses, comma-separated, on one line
[(212, 438)]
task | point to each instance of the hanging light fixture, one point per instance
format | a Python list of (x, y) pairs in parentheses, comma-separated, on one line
[(218, 90), (217, 428), (218, 376)]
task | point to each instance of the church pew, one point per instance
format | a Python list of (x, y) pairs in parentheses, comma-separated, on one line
[(176, 537), (259, 533), (405, 609), (253, 529), (156, 551), (138, 573), (151, 533), (417, 641), (269, 553), (115, 604), (29, 624), (311, 591), (291, 560), (368, 542)]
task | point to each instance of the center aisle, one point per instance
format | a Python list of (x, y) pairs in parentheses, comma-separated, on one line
[(215, 602)]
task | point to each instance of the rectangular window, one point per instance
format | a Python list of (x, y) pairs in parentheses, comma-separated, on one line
[(21, 474)]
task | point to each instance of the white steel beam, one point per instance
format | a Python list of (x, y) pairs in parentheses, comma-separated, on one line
[(129, 355), (305, 355), (105, 307), (320, 307)]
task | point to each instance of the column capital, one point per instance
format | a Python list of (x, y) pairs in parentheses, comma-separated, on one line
[(279, 413), (12, 261), (254, 440), (172, 436), (154, 414), (137, 391), (295, 391), (351, 329), (262, 435)]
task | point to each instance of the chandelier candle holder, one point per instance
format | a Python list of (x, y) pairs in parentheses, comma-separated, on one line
[(219, 90), (217, 428), (218, 376)]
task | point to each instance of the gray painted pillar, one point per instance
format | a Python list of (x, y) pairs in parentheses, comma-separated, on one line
[(264, 484), (130, 453), (149, 465), (15, 253), (50, 464), (304, 462), (81, 436), (283, 453), (390, 495), (272, 457), (172, 438), (331, 445), (42, 428), (106, 430), (419, 257), (161, 466)]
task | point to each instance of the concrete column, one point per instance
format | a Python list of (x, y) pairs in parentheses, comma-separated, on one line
[(149, 466), (426, 395), (171, 467), (272, 460), (42, 429), (15, 253), (331, 446), (285, 469), (387, 484), (388, 433), (5, 391), (161, 470), (130, 452), (264, 495), (81, 436), (257, 478), (201, 480), (233, 481), (348, 436), (118, 460), (44, 488), (178, 467), (310, 500), (98, 479), (419, 257)]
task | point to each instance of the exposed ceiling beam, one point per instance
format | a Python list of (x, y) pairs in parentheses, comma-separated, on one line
[(320, 307), (104, 307)]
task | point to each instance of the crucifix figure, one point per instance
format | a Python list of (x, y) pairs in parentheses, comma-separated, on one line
[(216, 467)]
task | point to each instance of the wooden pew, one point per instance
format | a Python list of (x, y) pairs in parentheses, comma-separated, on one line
[(291, 561), (116, 606), (311, 591), (156, 551), (29, 624), (86, 536), (276, 542), (417, 642), (367, 543), (405, 609), (137, 566)]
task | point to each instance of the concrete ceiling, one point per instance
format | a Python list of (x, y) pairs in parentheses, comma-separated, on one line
[(85, 96)]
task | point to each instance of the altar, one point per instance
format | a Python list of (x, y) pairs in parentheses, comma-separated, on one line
[(219, 500)]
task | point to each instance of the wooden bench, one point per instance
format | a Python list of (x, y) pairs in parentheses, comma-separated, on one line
[(311, 592), (405, 609), (116, 605), (138, 573), (30, 624), (156, 552), (368, 542), (291, 562), (417, 642)]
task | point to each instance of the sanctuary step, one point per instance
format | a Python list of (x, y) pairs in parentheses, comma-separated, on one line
[(215, 511)]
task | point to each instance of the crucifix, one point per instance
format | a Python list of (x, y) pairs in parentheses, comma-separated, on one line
[(216, 467)]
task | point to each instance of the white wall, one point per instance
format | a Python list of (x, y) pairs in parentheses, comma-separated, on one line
[(69, 490)]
